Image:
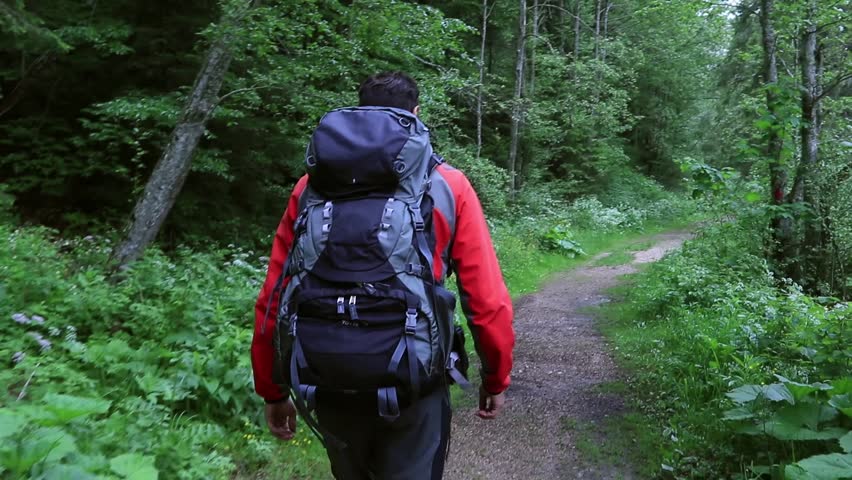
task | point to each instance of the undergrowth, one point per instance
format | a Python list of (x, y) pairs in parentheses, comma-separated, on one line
[(148, 375), (745, 375)]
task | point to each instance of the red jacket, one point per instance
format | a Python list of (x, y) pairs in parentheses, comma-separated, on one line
[(462, 238)]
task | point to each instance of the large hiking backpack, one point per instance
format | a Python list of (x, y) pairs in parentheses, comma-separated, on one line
[(362, 314)]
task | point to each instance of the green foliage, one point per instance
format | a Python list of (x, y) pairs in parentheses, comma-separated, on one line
[(719, 350), (559, 238), (144, 375), (487, 179)]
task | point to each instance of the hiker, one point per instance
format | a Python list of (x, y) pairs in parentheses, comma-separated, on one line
[(354, 330)]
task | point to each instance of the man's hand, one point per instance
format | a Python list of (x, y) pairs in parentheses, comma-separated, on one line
[(490, 405), (281, 419)]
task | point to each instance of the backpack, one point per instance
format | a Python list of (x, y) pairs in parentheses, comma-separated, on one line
[(362, 313)]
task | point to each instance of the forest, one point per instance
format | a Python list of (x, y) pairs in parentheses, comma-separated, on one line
[(148, 148)]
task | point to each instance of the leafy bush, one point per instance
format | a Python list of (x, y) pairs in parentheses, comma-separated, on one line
[(590, 213), (149, 373), (710, 332), (559, 238), (488, 180)]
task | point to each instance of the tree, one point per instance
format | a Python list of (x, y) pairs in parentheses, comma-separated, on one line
[(483, 33), (517, 99), (774, 141), (171, 171)]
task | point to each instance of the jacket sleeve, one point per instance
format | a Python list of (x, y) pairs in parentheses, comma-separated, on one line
[(266, 308), (484, 297)]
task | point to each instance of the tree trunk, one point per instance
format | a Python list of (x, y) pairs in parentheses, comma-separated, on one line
[(171, 170), (517, 106), (578, 9), (480, 87), (535, 34), (598, 11), (562, 28), (605, 30), (804, 187), (778, 176)]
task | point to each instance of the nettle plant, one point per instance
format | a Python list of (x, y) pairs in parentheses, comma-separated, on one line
[(797, 423), (559, 238)]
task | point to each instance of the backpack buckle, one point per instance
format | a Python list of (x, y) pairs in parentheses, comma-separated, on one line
[(419, 224), (293, 320), (411, 321), (413, 269)]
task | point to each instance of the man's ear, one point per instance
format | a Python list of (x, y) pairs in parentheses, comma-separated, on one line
[(416, 110)]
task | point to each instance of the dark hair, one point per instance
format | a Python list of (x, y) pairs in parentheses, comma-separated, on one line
[(389, 89)]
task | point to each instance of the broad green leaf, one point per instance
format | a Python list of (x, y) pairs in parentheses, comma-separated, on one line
[(739, 413), (744, 394), (778, 392), (67, 472), (134, 466), (46, 444), (846, 442), (842, 403), (827, 467), (801, 390), (788, 432), (68, 407), (809, 415), (10, 424), (795, 472)]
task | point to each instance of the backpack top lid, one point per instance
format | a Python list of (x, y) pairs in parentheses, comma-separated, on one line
[(361, 150)]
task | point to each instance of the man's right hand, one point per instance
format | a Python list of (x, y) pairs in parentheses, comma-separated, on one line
[(281, 419), (490, 404)]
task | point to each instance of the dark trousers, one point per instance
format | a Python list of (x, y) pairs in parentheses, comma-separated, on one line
[(413, 447)]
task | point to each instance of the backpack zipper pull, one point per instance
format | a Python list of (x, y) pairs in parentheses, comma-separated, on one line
[(340, 308), (353, 311)]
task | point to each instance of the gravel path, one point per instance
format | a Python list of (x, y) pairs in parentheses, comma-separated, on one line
[(559, 358)]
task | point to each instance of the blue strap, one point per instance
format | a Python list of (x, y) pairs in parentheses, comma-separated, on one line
[(388, 403), (275, 291), (406, 347), (420, 240), (396, 358), (411, 351), (309, 393), (456, 375), (297, 360), (304, 396)]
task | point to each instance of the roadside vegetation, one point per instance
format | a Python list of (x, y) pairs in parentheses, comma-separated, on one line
[(582, 125), (150, 373), (742, 375)]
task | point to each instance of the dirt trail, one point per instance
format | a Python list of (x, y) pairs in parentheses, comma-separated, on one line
[(560, 357)]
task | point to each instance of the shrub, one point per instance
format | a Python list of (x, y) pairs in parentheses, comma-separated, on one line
[(148, 373), (712, 326)]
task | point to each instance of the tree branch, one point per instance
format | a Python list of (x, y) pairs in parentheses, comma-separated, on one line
[(243, 90), (428, 63), (566, 11), (831, 86)]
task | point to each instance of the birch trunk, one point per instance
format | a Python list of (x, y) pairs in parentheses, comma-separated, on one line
[(171, 170), (562, 28), (534, 47), (597, 44), (578, 6), (481, 86), (517, 107), (605, 30)]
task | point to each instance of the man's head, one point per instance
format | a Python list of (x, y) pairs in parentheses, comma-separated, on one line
[(390, 89)]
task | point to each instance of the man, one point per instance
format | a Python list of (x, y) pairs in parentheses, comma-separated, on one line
[(413, 446)]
